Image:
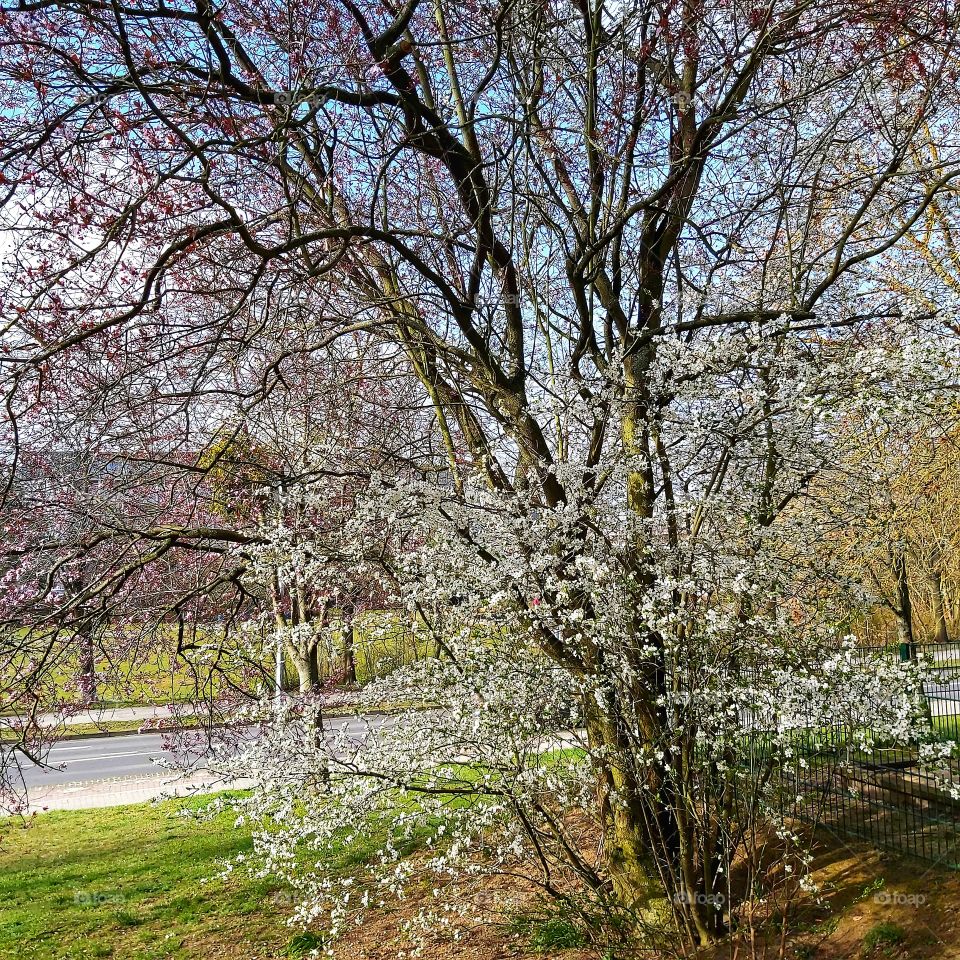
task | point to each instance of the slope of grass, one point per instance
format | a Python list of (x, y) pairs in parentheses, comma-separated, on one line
[(128, 882), (142, 882)]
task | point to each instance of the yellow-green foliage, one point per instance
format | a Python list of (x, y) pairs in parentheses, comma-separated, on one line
[(236, 467)]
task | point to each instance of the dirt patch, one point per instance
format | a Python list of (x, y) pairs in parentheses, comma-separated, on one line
[(877, 905), (394, 932), (871, 907)]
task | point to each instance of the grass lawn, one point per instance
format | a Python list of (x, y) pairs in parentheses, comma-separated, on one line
[(127, 882)]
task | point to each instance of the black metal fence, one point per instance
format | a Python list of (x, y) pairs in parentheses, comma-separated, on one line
[(850, 782)]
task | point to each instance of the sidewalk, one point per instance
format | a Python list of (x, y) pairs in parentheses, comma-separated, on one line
[(123, 790)]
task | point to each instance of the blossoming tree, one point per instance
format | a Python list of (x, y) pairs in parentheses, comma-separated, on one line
[(636, 258)]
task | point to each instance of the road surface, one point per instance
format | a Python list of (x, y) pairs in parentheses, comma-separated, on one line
[(132, 755)]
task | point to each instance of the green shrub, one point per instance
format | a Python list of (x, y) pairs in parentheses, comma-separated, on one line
[(303, 943), (557, 933), (884, 934), (549, 933)]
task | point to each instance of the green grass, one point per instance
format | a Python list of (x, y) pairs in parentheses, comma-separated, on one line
[(885, 935), (128, 882), (945, 728), (154, 676), (303, 943), (141, 882), (548, 933)]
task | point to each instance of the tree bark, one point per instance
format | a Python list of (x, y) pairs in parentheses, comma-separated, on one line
[(625, 844), (348, 668), (903, 608), (88, 666), (942, 634), (308, 667)]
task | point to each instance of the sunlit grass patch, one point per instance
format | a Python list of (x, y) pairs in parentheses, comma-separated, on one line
[(130, 882)]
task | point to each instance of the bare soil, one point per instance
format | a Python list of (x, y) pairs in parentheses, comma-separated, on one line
[(870, 906)]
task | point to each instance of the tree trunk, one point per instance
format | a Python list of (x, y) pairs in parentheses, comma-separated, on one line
[(348, 667), (308, 667), (638, 824), (903, 609), (88, 666), (942, 635), (625, 848)]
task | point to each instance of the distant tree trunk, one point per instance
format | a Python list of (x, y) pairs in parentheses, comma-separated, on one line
[(307, 662), (939, 608), (903, 608), (348, 667), (303, 647), (88, 666), (286, 676), (84, 633)]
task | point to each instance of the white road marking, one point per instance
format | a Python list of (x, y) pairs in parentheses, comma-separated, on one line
[(111, 756), (59, 749)]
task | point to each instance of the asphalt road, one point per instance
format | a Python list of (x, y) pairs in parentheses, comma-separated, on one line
[(130, 755), (133, 755), (97, 758)]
